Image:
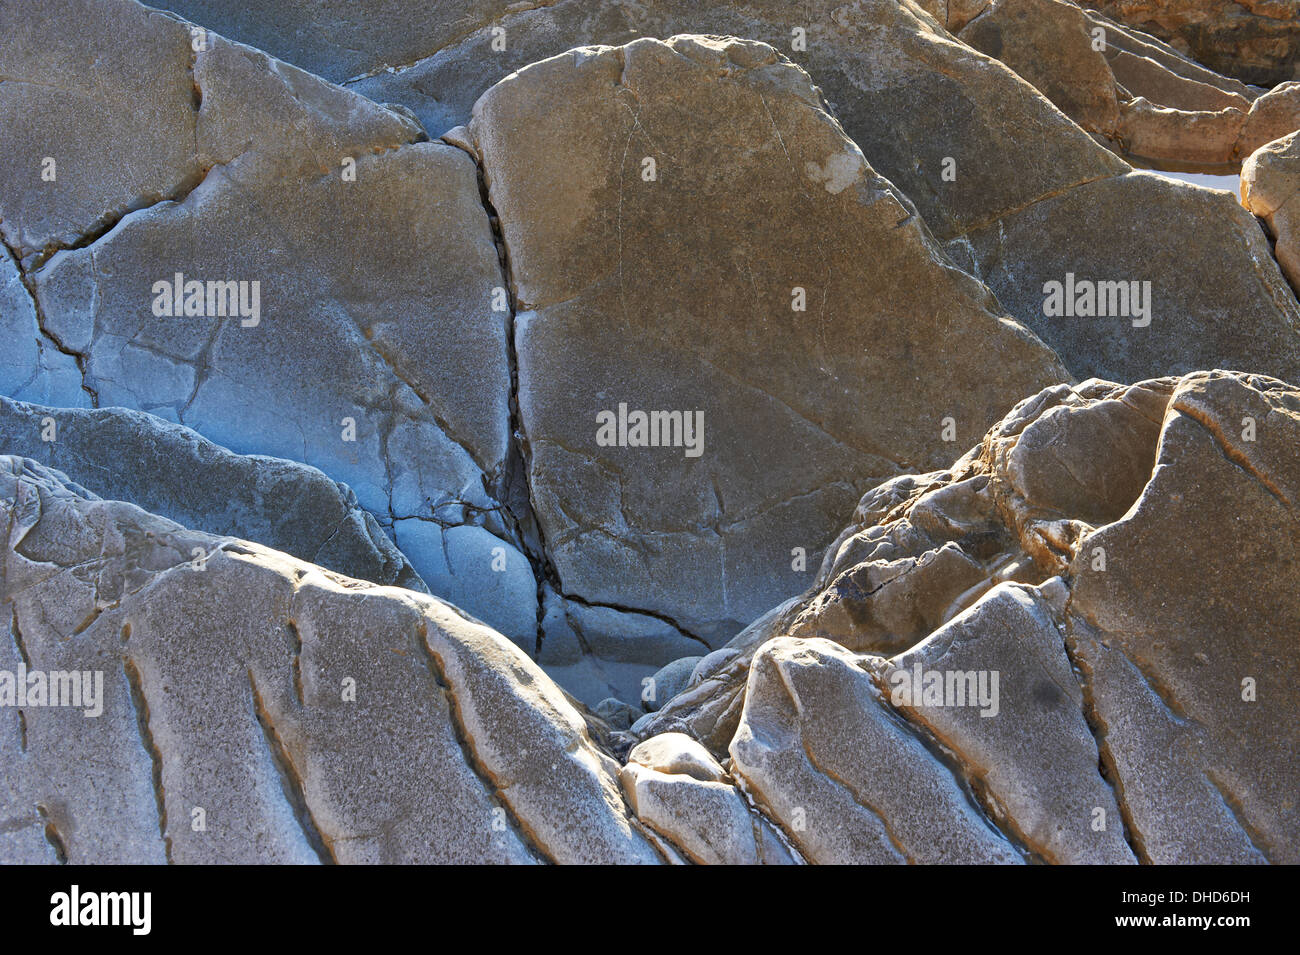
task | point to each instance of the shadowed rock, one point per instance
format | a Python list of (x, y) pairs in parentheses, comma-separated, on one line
[(171, 471)]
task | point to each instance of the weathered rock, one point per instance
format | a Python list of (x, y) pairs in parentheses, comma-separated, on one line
[(672, 679), (1257, 41), (62, 120), (1189, 675), (910, 96), (1110, 649), (596, 652), (171, 471), (681, 792), (1272, 116), (822, 751), (1270, 188), (298, 715), (1076, 78), (1145, 100), (304, 349), (1027, 743), (1215, 298), (765, 227)]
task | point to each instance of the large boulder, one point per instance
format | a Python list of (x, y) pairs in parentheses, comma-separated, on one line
[(1137, 276), (691, 233)]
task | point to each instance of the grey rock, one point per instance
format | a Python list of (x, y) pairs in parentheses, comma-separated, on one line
[(298, 715), (171, 471)]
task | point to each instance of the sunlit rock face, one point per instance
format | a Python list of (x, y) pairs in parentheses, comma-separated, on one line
[(1270, 188), (1257, 41)]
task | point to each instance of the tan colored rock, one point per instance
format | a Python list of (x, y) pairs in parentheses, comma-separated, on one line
[(1169, 664), (47, 87), (1270, 188), (1144, 99), (1077, 78), (1274, 115), (1216, 298), (1157, 134), (907, 93), (1254, 40)]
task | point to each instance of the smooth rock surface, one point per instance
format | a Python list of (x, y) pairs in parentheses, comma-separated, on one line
[(783, 330)]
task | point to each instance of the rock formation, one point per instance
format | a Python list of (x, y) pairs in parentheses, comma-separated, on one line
[(1108, 708), (1257, 41), (1140, 97), (1270, 187), (427, 434)]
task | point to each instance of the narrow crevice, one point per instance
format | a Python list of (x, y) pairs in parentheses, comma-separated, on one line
[(1107, 768), (1257, 839), (295, 659), (291, 781), (17, 633), (657, 840), (107, 222), (53, 836), (622, 608), (437, 672), (512, 485), (741, 785), (140, 705), (79, 358), (750, 793)]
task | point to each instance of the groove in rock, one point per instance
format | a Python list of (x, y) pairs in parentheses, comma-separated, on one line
[(140, 706), (291, 781)]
